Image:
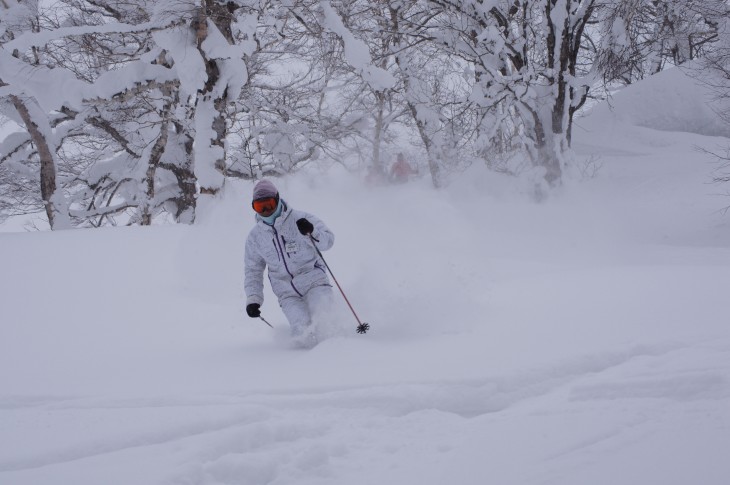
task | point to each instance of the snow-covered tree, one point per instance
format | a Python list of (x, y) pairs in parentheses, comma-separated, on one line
[(289, 111), (131, 110), (525, 60), (141, 117), (84, 74), (637, 38), (37, 146), (714, 73)]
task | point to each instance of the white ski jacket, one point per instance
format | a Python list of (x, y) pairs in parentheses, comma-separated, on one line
[(293, 264)]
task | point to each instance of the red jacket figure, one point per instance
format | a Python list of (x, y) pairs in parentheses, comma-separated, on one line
[(401, 170)]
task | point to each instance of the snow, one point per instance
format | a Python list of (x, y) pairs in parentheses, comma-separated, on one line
[(204, 151), (55, 88), (580, 340), (34, 39), (356, 51), (671, 100), (188, 64)]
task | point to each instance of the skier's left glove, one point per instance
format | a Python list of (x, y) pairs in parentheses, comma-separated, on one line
[(305, 227), (253, 310)]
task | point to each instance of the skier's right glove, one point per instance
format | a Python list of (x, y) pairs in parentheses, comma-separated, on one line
[(305, 227), (253, 310)]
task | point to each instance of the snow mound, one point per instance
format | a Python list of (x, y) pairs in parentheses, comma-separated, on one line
[(671, 100)]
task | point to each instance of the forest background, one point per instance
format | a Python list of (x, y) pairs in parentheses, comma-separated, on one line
[(119, 112)]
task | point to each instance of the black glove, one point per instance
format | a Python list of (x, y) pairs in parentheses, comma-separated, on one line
[(253, 310), (305, 227)]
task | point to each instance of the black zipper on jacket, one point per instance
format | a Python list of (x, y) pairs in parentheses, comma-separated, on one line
[(284, 241), (273, 241), (281, 251)]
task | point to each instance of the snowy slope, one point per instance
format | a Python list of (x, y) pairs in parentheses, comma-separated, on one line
[(672, 100), (583, 340)]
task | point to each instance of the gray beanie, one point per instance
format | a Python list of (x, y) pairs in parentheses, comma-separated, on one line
[(264, 189)]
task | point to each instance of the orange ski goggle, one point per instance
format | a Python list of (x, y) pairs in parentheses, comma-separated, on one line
[(265, 204)]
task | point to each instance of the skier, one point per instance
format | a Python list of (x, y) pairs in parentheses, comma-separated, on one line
[(401, 170), (283, 240)]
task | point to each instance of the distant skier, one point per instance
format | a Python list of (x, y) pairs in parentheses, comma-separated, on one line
[(282, 240), (401, 170)]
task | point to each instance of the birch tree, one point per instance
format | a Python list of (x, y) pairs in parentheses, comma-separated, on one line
[(37, 145), (525, 56), (132, 114)]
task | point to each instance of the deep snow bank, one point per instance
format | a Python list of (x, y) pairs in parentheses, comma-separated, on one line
[(672, 100)]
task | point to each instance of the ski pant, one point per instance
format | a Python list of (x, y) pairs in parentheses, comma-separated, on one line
[(309, 310)]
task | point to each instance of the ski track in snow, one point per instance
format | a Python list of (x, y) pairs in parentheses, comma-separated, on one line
[(256, 437)]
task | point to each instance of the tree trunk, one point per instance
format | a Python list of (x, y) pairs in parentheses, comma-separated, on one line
[(548, 152), (377, 163), (221, 15), (48, 164), (434, 152), (155, 156)]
